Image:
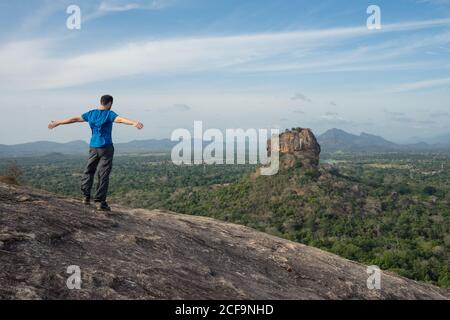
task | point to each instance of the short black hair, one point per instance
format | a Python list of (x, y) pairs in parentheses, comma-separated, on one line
[(106, 99)]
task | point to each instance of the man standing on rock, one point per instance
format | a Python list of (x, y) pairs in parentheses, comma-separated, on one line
[(101, 151)]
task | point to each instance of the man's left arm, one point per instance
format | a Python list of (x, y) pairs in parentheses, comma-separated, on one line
[(134, 123), (54, 124)]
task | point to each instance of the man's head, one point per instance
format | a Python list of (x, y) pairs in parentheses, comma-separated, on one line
[(106, 101)]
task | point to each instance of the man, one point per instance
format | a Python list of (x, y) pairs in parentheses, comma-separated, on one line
[(101, 151)]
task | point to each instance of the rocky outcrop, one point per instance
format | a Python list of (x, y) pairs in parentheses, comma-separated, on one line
[(298, 148), (140, 254), (8, 180)]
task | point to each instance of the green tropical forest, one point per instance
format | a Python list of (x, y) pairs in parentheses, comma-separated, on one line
[(390, 210)]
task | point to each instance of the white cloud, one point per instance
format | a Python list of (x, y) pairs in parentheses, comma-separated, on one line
[(31, 65), (45, 10), (424, 84), (120, 5), (414, 25), (104, 6), (301, 96), (179, 107)]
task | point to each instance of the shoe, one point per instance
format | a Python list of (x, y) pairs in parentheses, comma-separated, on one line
[(103, 206), (87, 201)]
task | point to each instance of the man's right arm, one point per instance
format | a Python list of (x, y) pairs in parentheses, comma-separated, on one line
[(56, 123)]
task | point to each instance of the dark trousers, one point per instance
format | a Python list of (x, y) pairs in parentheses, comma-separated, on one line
[(100, 160)]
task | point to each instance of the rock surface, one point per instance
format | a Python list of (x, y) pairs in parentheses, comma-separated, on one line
[(140, 254), (298, 147)]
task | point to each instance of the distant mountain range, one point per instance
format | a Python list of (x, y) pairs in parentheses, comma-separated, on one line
[(333, 140), (42, 148), (338, 140), (440, 140)]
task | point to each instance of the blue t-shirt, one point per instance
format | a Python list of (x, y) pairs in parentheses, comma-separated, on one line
[(101, 123)]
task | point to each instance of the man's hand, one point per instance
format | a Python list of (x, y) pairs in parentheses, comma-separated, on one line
[(53, 124), (138, 125)]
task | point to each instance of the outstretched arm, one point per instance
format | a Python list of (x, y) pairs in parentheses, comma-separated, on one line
[(56, 123), (129, 122)]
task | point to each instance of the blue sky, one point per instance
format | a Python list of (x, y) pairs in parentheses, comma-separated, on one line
[(249, 64)]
